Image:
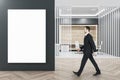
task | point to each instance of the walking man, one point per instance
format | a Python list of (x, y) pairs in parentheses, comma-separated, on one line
[(88, 49)]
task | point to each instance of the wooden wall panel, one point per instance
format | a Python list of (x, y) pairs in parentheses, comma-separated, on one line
[(76, 33)]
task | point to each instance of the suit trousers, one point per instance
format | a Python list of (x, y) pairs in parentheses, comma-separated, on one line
[(84, 60)]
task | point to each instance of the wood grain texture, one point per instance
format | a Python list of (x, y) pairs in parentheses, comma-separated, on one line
[(110, 68)]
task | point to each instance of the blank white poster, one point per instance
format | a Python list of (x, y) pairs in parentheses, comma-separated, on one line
[(26, 36)]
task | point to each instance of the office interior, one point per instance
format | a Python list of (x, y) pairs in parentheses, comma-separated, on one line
[(71, 16), (104, 22)]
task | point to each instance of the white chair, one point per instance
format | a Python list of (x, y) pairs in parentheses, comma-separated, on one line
[(77, 45), (64, 48), (99, 47)]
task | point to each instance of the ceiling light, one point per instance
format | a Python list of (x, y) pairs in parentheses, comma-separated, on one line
[(82, 14)]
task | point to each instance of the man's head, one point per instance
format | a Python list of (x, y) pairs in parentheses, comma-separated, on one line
[(87, 29)]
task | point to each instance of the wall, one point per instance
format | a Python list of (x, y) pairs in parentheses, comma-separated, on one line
[(78, 21), (73, 21), (109, 30), (76, 33), (27, 4)]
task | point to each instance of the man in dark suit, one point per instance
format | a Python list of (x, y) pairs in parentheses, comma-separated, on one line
[(88, 49)]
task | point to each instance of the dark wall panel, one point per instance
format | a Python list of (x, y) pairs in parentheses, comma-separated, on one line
[(78, 21), (85, 21), (27, 4)]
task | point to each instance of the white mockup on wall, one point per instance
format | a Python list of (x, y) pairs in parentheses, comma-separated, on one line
[(26, 36)]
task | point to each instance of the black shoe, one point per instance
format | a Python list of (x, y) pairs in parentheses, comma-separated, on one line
[(97, 73), (76, 73)]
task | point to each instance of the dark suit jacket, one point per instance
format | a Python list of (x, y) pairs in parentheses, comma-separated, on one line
[(89, 45)]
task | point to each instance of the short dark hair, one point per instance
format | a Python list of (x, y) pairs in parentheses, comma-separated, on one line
[(87, 27)]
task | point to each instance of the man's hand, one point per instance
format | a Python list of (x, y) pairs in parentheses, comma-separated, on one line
[(96, 50), (78, 49)]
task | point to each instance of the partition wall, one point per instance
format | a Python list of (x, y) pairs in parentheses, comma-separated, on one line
[(107, 29), (109, 32), (69, 29)]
